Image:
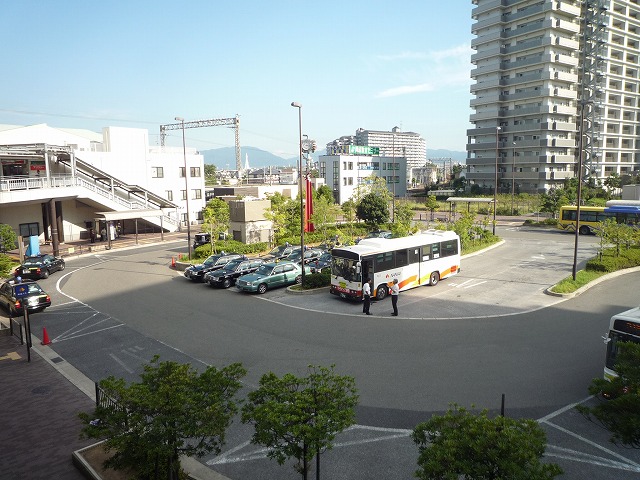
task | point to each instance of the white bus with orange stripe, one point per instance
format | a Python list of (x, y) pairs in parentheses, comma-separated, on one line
[(421, 259)]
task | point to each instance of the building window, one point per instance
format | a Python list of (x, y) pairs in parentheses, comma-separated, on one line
[(350, 180), (181, 175), (344, 181), (157, 172), (350, 165), (196, 194), (184, 217), (169, 194), (194, 171), (183, 194), (29, 229)]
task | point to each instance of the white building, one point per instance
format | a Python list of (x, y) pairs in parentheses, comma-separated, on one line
[(349, 167), (531, 57), (84, 175), (395, 143)]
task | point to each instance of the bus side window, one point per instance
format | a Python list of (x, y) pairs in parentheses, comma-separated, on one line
[(426, 253), (401, 258), (435, 250)]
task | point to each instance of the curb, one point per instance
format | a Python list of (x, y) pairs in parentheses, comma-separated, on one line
[(586, 287)]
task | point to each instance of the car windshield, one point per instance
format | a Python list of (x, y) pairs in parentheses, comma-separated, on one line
[(32, 261), (325, 257), (211, 260), (265, 270), (232, 265), (33, 288), (277, 250)]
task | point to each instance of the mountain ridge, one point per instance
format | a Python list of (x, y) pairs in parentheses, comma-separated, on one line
[(225, 157)]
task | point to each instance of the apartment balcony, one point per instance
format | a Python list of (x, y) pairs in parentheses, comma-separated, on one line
[(485, 69), (495, 19), (566, 26), (527, 45), (485, 85), (528, 29), (486, 53), (485, 100), (486, 38), (487, 7), (565, 60)]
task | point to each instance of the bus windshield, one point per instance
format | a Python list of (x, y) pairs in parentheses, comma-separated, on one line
[(345, 268)]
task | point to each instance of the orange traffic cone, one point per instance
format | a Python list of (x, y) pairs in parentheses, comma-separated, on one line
[(173, 262), (45, 337)]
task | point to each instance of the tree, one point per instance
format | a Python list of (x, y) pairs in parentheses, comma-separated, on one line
[(8, 238), (324, 191), (325, 213), (300, 417), (285, 215), (210, 174), (432, 204), (403, 216), (173, 411), (373, 210), (215, 219), (461, 444), (349, 214), (619, 410), (375, 185)]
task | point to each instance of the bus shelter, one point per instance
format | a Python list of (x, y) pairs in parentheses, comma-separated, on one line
[(468, 200)]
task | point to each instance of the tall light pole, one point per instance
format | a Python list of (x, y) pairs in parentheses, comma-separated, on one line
[(583, 104), (495, 183), (513, 174), (299, 107), (393, 179), (186, 186)]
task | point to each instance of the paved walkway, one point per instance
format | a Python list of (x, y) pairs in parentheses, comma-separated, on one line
[(39, 408)]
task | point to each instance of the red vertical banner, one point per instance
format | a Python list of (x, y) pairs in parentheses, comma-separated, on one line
[(308, 211)]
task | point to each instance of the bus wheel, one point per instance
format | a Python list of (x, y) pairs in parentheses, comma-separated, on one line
[(434, 278), (584, 230), (382, 292)]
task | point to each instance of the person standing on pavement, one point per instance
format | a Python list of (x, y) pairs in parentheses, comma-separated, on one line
[(366, 294), (395, 291)]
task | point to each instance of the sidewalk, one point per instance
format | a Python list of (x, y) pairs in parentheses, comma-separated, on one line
[(39, 424)]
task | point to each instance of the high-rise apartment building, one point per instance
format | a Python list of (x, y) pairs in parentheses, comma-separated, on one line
[(394, 143), (531, 57)]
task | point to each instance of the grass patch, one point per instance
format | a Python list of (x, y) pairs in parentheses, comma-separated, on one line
[(569, 285)]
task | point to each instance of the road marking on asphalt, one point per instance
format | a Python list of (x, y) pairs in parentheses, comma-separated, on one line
[(379, 435), (576, 456), (468, 284), (121, 363), (583, 457)]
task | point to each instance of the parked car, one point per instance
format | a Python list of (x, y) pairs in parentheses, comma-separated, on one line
[(39, 266), (379, 234), (214, 262), (310, 255), (15, 295), (227, 275), (201, 239), (271, 275), (280, 252), (322, 262)]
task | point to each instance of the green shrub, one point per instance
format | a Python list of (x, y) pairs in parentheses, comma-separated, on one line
[(317, 280), (231, 246), (7, 265)]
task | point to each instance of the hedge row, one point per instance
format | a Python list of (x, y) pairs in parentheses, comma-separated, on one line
[(608, 262)]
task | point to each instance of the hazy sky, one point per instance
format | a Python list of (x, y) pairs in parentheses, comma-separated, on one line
[(140, 63)]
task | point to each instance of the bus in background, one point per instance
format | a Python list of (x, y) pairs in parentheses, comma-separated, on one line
[(421, 259), (589, 218), (623, 327), (622, 211)]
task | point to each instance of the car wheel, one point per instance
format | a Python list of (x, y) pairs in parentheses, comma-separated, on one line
[(262, 288), (63, 266), (226, 283), (298, 279), (45, 274), (584, 230), (434, 278), (381, 293)]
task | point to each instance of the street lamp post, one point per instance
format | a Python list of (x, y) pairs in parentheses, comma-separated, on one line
[(299, 107), (513, 175), (393, 179), (186, 186), (495, 183), (583, 104)]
